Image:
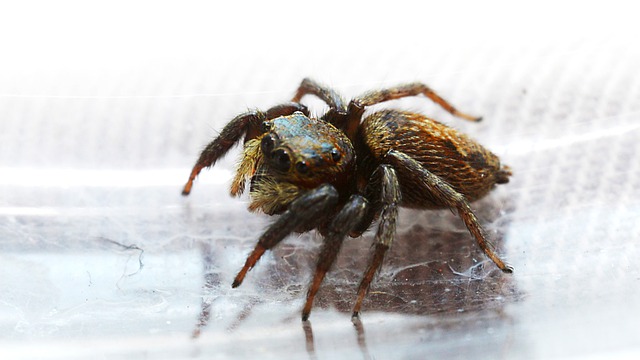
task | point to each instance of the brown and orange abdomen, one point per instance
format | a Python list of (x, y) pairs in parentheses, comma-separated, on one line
[(455, 158)]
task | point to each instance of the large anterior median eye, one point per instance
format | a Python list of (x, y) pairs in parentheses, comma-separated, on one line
[(280, 159)]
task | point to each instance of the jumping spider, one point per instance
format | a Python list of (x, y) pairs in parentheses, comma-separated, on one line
[(339, 173)]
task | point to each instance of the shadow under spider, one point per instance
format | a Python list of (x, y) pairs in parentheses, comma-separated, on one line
[(433, 267)]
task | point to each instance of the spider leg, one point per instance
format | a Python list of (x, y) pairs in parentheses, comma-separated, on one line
[(349, 217), (390, 197), (246, 124), (337, 113), (328, 95), (412, 89), (372, 193), (307, 211), (446, 195)]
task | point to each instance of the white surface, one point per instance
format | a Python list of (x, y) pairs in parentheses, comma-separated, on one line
[(104, 107)]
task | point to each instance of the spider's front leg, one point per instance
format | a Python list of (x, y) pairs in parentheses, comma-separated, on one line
[(247, 125), (305, 212), (347, 219)]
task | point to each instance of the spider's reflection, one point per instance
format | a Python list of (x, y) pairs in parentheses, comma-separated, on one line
[(359, 327)]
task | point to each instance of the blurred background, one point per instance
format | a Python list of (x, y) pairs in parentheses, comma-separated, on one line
[(104, 107)]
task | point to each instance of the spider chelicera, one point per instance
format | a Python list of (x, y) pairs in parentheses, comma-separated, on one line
[(339, 173)]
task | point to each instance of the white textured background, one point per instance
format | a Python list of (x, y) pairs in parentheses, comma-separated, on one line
[(104, 107)]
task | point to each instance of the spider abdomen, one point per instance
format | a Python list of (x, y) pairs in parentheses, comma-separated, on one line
[(468, 167)]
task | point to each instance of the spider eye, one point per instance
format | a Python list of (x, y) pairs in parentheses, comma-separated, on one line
[(267, 144), (302, 167), (336, 155), (280, 159), (265, 126)]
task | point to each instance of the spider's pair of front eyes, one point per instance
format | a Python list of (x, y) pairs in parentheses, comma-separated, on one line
[(280, 159)]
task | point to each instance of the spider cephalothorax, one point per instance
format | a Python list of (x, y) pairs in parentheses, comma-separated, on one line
[(294, 154), (339, 173)]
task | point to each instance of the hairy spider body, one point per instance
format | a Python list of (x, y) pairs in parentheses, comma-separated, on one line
[(339, 173), (453, 157), (296, 154)]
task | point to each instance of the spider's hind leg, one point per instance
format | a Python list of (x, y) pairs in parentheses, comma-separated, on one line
[(447, 196)]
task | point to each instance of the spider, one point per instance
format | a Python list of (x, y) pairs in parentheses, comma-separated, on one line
[(340, 173)]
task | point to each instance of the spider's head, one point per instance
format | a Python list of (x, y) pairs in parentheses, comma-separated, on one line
[(305, 152)]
